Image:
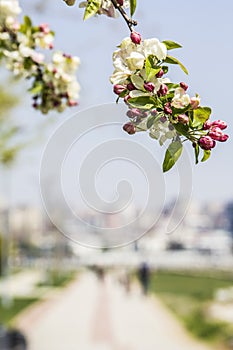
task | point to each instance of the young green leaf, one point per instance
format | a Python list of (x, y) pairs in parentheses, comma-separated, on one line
[(27, 21), (171, 44), (92, 8), (133, 5), (36, 89), (206, 155), (173, 60), (200, 115), (26, 26), (144, 102), (172, 155), (151, 69), (138, 82), (150, 121), (181, 128)]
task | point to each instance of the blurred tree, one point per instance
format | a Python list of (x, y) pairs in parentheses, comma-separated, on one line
[(8, 152), (0, 255), (8, 131)]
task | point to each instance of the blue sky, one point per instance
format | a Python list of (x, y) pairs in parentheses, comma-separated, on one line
[(204, 29)]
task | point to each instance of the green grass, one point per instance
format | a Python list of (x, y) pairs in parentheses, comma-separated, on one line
[(17, 305), (188, 295), (200, 286)]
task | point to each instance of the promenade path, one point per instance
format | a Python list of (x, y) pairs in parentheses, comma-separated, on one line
[(94, 315)]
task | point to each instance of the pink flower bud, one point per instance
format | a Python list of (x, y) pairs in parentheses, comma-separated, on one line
[(160, 73), (145, 114), (183, 119), (16, 26), (129, 128), (163, 119), (72, 103), (126, 98), (220, 124), (223, 138), (167, 108), (118, 89), (134, 112), (206, 142), (149, 86), (184, 86), (136, 38), (195, 102), (44, 28), (120, 2), (215, 133), (154, 112), (162, 90), (131, 87), (207, 125), (67, 56)]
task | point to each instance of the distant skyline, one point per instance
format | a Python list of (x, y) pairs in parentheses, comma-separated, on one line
[(205, 31)]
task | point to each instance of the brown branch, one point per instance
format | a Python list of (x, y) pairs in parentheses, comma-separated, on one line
[(130, 22)]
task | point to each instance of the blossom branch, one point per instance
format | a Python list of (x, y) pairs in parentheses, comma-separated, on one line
[(130, 22)]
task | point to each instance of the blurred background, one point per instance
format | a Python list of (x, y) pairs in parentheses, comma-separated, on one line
[(170, 291)]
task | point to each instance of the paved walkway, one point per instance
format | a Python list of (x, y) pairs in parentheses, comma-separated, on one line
[(91, 315)]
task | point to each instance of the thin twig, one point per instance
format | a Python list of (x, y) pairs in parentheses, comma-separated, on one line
[(130, 22)]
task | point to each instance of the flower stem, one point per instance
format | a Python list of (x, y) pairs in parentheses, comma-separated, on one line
[(130, 22)]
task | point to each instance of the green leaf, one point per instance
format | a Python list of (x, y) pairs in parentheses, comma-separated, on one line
[(171, 44), (92, 8), (206, 155), (133, 5), (36, 89), (143, 102), (151, 69), (26, 26), (150, 121), (200, 115), (197, 152), (27, 22), (181, 128), (172, 155), (165, 69), (173, 60), (138, 82)]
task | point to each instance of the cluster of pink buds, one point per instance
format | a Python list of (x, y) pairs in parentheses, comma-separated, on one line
[(129, 128), (215, 133)]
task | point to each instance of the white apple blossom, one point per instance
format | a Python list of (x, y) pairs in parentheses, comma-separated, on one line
[(154, 47), (9, 10), (135, 61), (130, 58), (44, 41), (180, 99)]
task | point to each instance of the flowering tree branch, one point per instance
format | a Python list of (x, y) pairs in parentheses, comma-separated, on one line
[(53, 84), (156, 104)]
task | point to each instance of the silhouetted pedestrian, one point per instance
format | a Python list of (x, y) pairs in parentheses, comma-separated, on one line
[(144, 277)]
